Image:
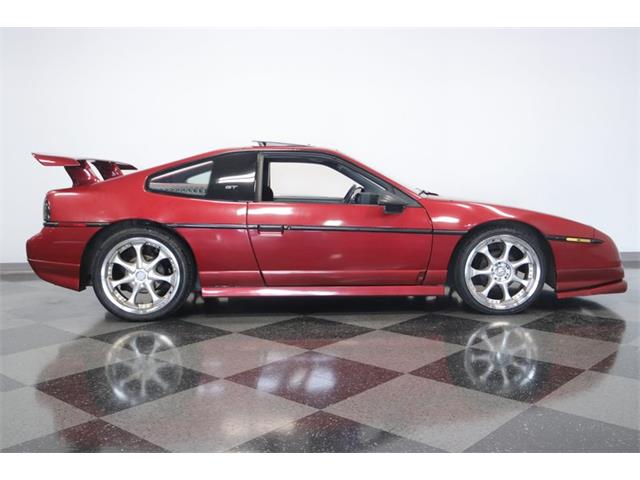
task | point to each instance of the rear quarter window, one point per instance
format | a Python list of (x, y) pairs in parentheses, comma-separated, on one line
[(192, 180), (229, 177)]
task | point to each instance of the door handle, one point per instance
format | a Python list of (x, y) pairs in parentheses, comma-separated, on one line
[(271, 229)]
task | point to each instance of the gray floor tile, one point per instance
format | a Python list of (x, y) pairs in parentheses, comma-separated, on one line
[(229, 354), (438, 414), (7, 384), (53, 302), (27, 414), (551, 431), (7, 322), (624, 362), (394, 351), (599, 396), (90, 326), (15, 340), (210, 418), (45, 363)]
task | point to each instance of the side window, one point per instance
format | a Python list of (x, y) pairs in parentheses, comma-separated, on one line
[(192, 181), (310, 181), (229, 177)]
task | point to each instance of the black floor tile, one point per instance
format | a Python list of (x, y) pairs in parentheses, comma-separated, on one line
[(96, 436), (307, 332), (323, 432), (314, 379), (543, 430), (444, 328), (109, 389), (174, 333), (587, 326), (524, 380), (625, 363)]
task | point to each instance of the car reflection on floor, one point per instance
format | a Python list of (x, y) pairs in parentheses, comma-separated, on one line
[(141, 377), (498, 358)]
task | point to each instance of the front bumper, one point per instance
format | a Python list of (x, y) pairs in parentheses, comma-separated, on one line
[(619, 286), (588, 269)]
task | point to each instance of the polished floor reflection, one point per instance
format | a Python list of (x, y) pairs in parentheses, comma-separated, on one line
[(318, 375)]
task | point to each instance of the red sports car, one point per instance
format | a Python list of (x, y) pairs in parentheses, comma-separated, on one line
[(282, 219)]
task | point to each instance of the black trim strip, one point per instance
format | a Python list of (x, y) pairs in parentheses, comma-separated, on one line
[(310, 228), (75, 224), (227, 226), (317, 228), (331, 228), (450, 232)]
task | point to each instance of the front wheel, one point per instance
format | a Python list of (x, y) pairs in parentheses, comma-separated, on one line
[(142, 274), (500, 270)]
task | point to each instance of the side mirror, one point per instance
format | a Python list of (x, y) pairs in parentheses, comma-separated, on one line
[(368, 198), (391, 203)]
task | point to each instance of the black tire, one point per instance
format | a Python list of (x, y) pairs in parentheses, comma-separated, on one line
[(466, 248), (184, 261)]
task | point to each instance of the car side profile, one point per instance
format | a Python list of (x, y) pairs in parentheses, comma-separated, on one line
[(292, 220)]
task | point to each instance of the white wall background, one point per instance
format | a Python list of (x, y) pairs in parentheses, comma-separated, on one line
[(542, 119)]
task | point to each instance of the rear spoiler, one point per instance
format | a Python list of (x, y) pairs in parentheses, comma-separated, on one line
[(79, 169)]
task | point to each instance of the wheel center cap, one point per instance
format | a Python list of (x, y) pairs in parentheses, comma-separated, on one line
[(501, 272), (141, 275)]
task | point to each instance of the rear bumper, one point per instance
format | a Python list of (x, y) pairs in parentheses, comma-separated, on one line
[(55, 254)]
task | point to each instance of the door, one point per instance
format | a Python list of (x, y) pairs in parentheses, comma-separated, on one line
[(317, 221)]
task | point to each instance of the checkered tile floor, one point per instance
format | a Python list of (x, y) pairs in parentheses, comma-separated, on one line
[(318, 375)]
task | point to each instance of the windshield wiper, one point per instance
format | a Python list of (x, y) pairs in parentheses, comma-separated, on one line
[(426, 194)]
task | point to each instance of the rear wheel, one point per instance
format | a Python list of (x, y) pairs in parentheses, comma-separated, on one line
[(500, 270), (142, 274)]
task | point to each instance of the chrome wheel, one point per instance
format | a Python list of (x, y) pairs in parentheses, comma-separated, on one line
[(502, 272), (140, 275)]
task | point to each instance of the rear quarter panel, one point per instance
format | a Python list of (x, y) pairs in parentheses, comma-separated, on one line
[(223, 255)]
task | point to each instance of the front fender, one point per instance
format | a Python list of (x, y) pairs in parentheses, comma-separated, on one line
[(584, 257)]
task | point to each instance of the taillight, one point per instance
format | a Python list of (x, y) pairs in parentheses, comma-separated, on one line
[(46, 211)]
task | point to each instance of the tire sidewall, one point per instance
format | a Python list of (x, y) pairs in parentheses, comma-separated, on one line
[(459, 279), (184, 263)]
